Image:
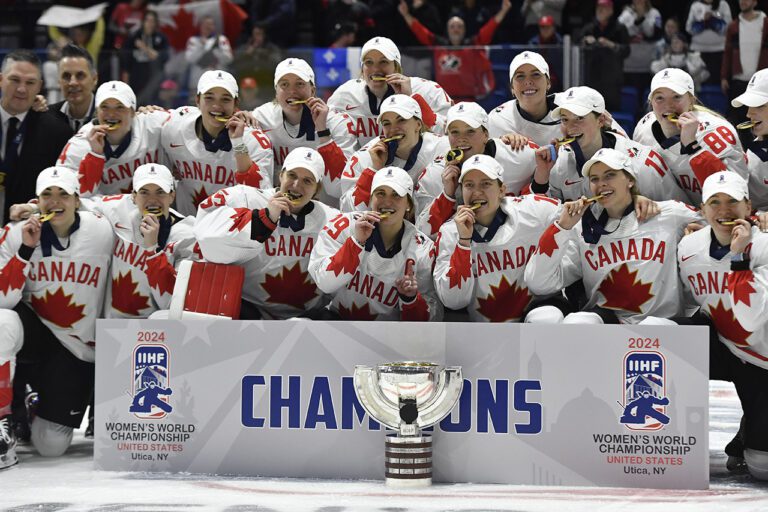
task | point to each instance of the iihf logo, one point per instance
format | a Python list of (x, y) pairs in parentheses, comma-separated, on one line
[(644, 391), (151, 378)]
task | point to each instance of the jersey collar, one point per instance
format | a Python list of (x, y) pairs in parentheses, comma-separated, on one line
[(48, 238)]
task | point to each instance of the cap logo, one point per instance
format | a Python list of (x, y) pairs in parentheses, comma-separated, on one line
[(376, 41), (525, 55), (309, 155), (570, 94), (55, 173), (114, 86), (152, 170), (461, 108), (389, 173), (666, 74), (752, 82), (722, 178)]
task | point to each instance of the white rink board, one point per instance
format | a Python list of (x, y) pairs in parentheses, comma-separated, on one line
[(274, 398)]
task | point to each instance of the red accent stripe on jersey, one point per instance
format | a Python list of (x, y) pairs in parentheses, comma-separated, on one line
[(266, 220), (250, 177), (752, 353)]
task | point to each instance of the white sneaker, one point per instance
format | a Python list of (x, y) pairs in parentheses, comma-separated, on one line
[(7, 444)]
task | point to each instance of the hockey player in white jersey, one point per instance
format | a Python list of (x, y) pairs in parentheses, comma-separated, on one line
[(375, 264), (482, 254), (756, 99), (107, 151), (694, 141), (53, 281), (297, 118), (211, 149), (382, 76), (627, 266), (558, 174), (724, 269), (404, 143), (436, 190), (271, 234)]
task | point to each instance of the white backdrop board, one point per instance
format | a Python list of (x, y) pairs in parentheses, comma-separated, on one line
[(540, 405)]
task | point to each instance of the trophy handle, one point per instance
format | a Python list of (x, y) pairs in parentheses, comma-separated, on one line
[(372, 399), (449, 386)]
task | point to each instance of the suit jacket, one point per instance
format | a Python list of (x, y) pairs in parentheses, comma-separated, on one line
[(55, 109), (45, 135)]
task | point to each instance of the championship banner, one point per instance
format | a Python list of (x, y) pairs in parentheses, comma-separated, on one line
[(541, 405)]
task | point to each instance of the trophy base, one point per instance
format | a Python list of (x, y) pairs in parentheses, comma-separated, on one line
[(408, 461)]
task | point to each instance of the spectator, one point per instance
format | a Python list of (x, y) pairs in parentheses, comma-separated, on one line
[(144, 55), (671, 28), (51, 73), (257, 58), (427, 13), (643, 24), (679, 56), (89, 36), (606, 45), (465, 74), (534, 10), (707, 22), (351, 11), (126, 20), (547, 33), (169, 97), (746, 51), (344, 35), (77, 80), (277, 18), (206, 51), (249, 94)]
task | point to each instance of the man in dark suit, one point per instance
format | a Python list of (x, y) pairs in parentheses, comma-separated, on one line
[(29, 141), (77, 79)]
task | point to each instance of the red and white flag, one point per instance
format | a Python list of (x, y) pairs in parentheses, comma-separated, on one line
[(179, 20)]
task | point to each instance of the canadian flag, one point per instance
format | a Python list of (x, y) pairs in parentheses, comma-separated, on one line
[(179, 20)]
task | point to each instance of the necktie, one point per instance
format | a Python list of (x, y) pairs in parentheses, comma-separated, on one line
[(11, 144)]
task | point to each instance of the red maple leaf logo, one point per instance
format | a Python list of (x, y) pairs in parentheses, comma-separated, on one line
[(547, 243), (740, 284), (291, 287), (125, 298), (241, 218), (160, 274), (178, 35), (459, 267), (727, 325), (357, 313), (346, 260), (504, 303), (12, 275), (622, 290), (58, 308), (199, 196)]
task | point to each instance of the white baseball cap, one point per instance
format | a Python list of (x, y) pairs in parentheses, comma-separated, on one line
[(395, 178), (580, 100), (483, 163), (402, 105), (305, 158), (117, 90), (153, 174), (62, 177), (298, 67), (383, 44), (217, 78), (526, 57), (471, 113), (756, 94), (613, 158), (727, 182), (672, 78)]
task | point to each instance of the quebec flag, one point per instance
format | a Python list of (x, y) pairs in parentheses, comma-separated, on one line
[(331, 65)]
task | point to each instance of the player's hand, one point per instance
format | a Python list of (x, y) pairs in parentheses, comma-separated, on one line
[(150, 230), (278, 203), (30, 232), (762, 221), (364, 225), (235, 127), (692, 228), (465, 223), (148, 109), (248, 118), (688, 126), (400, 83), (96, 138), (379, 153), (741, 236), (450, 177), (407, 285), (546, 156), (40, 104), (645, 208), (515, 141), (572, 212), (21, 211), (319, 111)]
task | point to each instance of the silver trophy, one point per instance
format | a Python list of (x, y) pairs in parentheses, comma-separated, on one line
[(408, 397)]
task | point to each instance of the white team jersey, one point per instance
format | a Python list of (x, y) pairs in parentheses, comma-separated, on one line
[(114, 176), (757, 162), (276, 260), (283, 136), (653, 177), (66, 288), (201, 172), (142, 279), (433, 207), (358, 174), (719, 150), (631, 270), (487, 278), (716, 288), (507, 118), (354, 99), (361, 279)]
